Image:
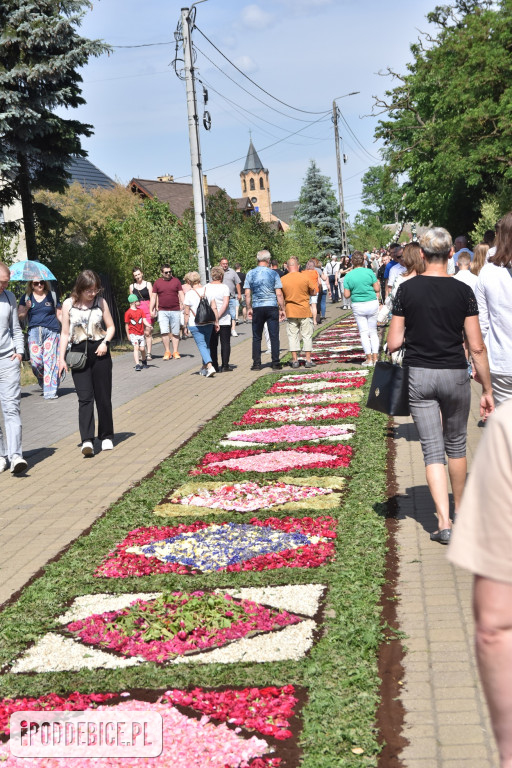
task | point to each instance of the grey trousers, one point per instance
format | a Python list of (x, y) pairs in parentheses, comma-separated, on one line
[(439, 400), (10, 397)]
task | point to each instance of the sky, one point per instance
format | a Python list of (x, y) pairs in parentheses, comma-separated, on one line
[(303, 52)]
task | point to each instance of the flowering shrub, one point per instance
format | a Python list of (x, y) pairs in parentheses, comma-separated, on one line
[(311, 456), (177, 624), (331, 396), (307, 413)]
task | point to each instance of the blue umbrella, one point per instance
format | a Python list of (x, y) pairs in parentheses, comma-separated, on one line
[(30, 270)]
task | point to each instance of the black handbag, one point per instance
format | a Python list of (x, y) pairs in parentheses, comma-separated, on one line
[(389, 390), (76, 361), (204, 315)]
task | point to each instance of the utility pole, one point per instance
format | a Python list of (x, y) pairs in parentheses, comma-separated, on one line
[(343, 226), (195, 150)]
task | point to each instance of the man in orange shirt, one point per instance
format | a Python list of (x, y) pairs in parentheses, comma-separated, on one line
[(298, 287)]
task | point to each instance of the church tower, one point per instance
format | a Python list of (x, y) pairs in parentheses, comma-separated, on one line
[(255, 185)]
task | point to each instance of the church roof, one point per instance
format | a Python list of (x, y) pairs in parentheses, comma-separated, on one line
[(86, 174), (285, 211), (253, 162)]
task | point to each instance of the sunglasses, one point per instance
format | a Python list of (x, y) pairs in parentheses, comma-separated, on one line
[(38, 282), (166, 272)]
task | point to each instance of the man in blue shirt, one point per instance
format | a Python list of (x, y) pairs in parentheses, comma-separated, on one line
[(461, 246), (266, 305)]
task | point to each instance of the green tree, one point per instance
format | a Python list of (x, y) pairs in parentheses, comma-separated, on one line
[(448, 123), (366, 232), (318, 209), (40, 53), (381, 194)]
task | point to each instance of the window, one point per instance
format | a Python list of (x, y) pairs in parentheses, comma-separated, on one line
[(245, 186), (262, 185), (252, 185)]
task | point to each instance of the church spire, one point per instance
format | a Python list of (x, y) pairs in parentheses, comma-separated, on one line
[(253, 162)]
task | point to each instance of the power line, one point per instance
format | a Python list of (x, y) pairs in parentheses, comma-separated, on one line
[(297, 109), (356, 138), (237, 159), (257, 117), (290, 117), (142, 45)]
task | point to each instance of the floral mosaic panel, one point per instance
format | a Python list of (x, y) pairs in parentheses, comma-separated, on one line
[(102, 631), (290, 413), (205, 547), (228, 728), (247, 460)]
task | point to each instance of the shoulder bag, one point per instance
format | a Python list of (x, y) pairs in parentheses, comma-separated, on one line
[(76, 361), (204, 315), (389, 390)]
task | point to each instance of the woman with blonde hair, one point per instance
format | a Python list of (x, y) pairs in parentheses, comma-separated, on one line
[(201, 333), (479, 258)]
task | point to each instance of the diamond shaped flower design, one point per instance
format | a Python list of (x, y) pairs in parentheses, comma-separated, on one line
[(220, 546)]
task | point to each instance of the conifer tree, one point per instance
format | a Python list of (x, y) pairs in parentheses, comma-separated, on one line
[(318, 208), (40, 52)]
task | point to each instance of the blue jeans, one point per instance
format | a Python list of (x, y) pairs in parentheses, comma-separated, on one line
[(233, 303), (322, 301), (202, 335), (260, 316)]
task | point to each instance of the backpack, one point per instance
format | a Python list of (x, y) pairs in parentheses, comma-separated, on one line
[(204, 315)]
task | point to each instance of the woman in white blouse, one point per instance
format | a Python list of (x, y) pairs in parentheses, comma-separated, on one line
[(494, 295)]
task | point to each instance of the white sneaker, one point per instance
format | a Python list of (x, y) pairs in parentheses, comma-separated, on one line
[(87, 448), (3, 463), (18, 465), (107, 444), (210, 371), (234, 333)]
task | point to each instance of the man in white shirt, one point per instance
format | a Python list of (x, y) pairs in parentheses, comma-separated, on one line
[(332, 268), (464, 274)]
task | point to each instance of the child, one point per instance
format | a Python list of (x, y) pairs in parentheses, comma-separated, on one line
[(134, 325)]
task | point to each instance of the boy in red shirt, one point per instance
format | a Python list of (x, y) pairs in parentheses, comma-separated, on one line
[(134, 325)]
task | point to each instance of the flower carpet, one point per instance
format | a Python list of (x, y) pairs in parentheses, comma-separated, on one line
[(251, 623), (247, 460), (285, 495), (229, 728), (204, 547), (291, 413), (105, 631), (289, 434)]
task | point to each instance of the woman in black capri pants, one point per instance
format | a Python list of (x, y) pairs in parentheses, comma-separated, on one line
[(432, 311), (87, 323)]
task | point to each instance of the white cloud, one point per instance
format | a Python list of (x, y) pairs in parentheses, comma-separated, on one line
[(254, 17), (246, 64)]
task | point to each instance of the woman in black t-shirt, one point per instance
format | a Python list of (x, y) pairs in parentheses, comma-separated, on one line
[(432, 312)]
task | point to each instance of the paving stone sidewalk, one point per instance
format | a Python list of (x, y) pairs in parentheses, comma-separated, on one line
[(446, 718)]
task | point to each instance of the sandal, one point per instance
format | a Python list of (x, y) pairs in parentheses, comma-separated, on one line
[(443, 537)]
